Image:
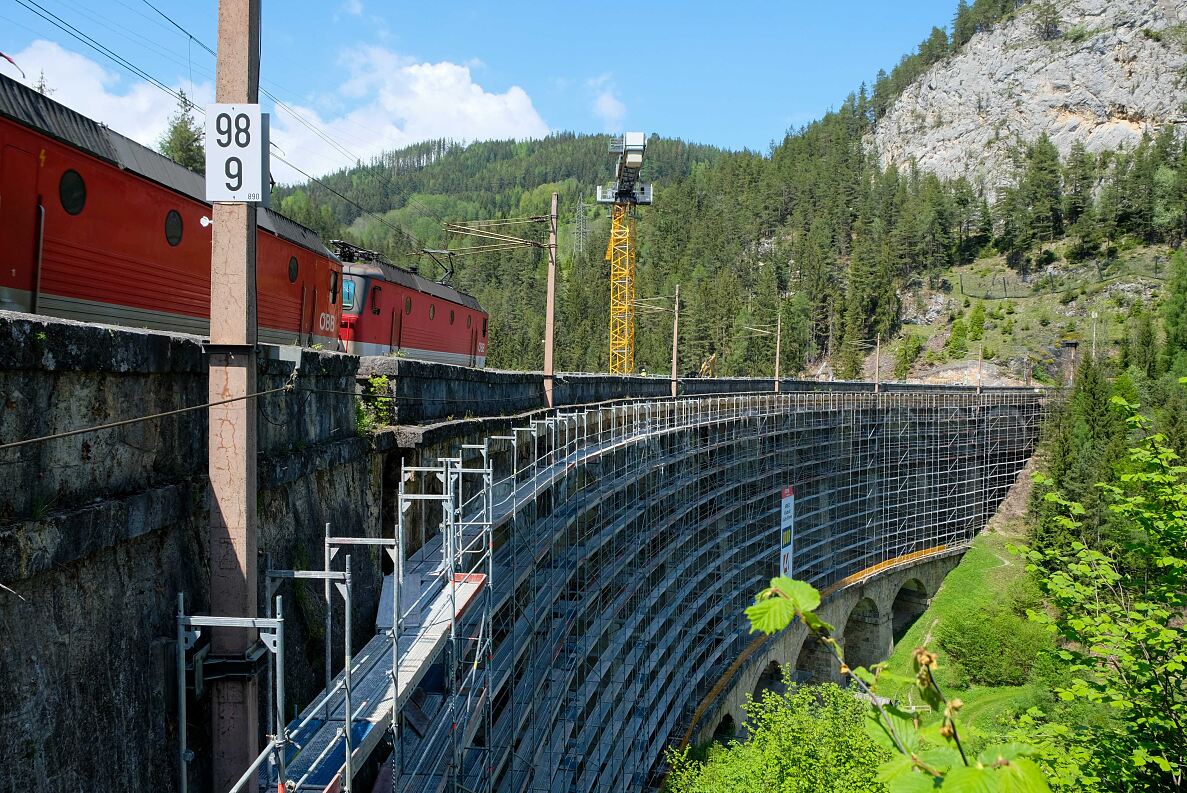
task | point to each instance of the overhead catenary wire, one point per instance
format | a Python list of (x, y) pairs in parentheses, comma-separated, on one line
[(325, 137), (35, 8)]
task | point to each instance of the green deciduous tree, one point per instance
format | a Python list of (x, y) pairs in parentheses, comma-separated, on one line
[(1119, 615), (810, 740)]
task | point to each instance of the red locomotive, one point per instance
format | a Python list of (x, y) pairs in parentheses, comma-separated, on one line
[(385, 309), (96, 227)]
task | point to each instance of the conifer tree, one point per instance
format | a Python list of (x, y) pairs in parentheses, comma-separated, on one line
[(1079, 178), (1046, 20), (1175, 317), (963, 25), (976, 330), (1041, 189), (182, 142), (41, 86)]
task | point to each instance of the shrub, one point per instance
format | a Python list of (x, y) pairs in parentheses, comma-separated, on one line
[(994, 648), (374, 407), (812, 738)]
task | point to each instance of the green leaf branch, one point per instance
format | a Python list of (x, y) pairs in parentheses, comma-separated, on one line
[(928, 758)]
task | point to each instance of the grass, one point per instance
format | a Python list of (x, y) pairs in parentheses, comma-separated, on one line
[(987, 571)]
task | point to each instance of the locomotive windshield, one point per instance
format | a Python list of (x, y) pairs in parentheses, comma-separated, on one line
[(349, 285)]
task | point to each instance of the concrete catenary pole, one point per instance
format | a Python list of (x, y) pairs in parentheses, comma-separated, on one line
[(550, 310), (675, 340), (778, 346), (980, 362), (878, 364), (232, 430)]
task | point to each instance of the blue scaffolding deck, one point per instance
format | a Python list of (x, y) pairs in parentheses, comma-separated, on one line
[(317, 750)]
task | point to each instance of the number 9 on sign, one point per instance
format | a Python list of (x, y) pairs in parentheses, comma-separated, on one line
[(236, 154)]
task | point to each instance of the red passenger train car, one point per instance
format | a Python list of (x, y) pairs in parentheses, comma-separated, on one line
[(388, 309), (96, 227)]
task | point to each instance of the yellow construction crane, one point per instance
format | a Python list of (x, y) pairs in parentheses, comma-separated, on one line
[(624, 194)]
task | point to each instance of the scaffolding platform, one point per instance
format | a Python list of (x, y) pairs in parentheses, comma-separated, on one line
[(317, 751)]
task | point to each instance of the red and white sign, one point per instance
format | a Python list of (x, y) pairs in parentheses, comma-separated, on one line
[(787, 531)]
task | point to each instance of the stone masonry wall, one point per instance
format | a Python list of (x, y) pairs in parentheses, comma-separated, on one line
[(100, 531)]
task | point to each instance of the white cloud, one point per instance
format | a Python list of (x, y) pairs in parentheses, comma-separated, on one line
[(128, 105), (398, 101), (353, 7), (387, 101), (606, 105)]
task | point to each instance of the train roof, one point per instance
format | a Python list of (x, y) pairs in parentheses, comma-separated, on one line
[(398, 275), (32, 109)]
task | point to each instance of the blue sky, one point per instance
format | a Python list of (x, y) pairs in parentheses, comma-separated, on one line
[(376, 75)]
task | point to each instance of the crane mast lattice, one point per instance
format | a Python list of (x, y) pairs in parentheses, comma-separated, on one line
[(624, 194)]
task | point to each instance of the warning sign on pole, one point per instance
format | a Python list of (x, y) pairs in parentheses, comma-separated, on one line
[(787, 531)]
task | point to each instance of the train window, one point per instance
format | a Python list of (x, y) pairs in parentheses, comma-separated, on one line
[(348, 291), (333, 287), (173, 227), (375, 290), (469, 321), (451, 316), (294, 269), (432, 310), (484, 327), (72, 190), (407, 305)]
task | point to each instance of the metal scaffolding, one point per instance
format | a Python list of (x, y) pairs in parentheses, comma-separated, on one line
[(623, 541), (627, 538), (434, 614)]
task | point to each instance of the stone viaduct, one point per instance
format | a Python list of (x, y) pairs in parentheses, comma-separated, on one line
[(627, 531), (870, 611)]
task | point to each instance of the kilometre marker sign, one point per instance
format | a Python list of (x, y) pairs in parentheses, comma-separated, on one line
[(236, 153)]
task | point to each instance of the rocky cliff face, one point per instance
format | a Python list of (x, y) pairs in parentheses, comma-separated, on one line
[(1115, 70)]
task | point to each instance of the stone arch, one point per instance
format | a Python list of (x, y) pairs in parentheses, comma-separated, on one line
[(726, 729), (815, 663), (771, 679), (867, 635), (909, 604)]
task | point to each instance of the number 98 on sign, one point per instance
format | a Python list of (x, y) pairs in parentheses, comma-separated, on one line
[(236, 154)]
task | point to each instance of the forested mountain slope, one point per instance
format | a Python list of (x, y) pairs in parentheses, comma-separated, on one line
[(817, 230)]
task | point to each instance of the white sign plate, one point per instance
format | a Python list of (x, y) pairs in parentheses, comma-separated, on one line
[(787, 531), (236, 150)]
